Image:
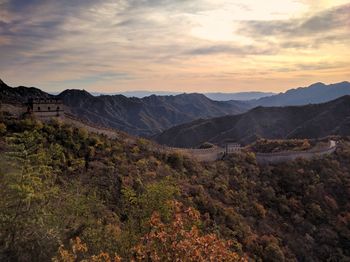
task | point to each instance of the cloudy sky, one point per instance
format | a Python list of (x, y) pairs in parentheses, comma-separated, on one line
[(174, 45)]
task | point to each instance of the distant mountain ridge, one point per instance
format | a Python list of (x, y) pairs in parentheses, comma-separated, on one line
[(314, 94), (309, 121), (153, 114), (241, 96), (136, 116), (149, 115)]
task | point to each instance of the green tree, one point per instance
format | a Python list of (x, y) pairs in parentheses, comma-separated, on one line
[(27, 185), (2, 128)]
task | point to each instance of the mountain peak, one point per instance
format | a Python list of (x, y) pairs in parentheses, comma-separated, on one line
[(317, 84), (75, 92), (344, 83), (191, 95)]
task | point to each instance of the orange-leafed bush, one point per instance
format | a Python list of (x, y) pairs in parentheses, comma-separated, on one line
[(78, 252), (181, 240)]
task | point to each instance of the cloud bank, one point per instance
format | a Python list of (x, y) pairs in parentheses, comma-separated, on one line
[(187, 45)]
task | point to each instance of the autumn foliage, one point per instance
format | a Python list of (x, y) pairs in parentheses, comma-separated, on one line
[(77, 252), (78, 196), (181, 240)]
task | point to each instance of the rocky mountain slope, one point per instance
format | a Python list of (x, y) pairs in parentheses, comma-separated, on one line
[(145, 117), (310, 121), (19, 94), (149, 115)]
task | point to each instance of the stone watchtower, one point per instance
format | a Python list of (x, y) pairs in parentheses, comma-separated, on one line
[(231, 148), (45, 108)]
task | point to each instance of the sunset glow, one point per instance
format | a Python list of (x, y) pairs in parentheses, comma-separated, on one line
[(186, 45)]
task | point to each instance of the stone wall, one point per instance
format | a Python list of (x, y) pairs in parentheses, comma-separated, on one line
[(45, 115), (274, 158), (205, 155), (215, 153), (15, 109), (18, 109), (47, 107), (90, 127), (208, 154)]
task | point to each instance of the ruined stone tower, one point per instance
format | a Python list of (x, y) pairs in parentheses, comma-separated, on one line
[(45, 108)]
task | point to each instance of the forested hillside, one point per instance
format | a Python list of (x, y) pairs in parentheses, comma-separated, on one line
[(67, 194), (310, 121)]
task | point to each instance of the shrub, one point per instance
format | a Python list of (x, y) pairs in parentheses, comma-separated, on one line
[(2, 128)]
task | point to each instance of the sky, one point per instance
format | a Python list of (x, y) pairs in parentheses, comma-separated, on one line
[(174, 45)]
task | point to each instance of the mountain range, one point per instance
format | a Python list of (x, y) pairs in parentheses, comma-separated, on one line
[(138, 116), (313, 94), (151, 115), (309, 121), (297, 96), (146, 116), (242, 96)]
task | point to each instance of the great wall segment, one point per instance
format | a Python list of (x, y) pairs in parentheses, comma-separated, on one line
[(286, 156), (52, 108), (216, 153), (46, 109)]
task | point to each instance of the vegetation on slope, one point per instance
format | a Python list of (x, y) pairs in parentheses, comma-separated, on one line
[(70, 195), (61, 185), (273, 146)]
